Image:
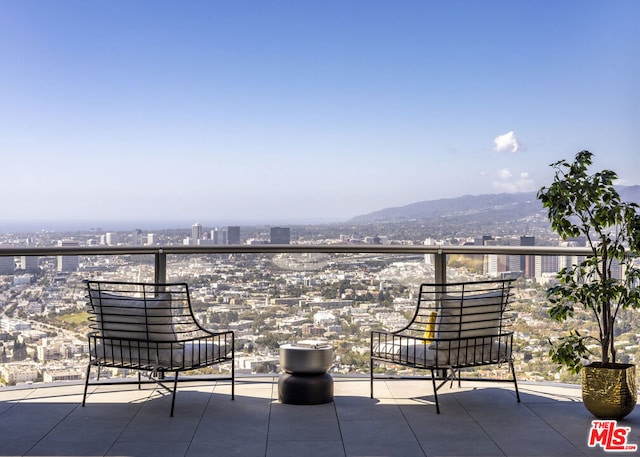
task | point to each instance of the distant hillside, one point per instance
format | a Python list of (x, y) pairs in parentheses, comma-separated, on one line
[(630, 193), (496, 207)]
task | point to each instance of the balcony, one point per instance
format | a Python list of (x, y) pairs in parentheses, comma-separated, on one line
[(478, 418)]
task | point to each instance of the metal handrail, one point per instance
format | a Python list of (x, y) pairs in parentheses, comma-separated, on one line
[(160, 252), (290, 248)]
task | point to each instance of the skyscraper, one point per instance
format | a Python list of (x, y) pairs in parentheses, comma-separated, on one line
[(196, 232), (528, 262), (68, 263), (219, 236), (112, 239), (233, 234), (29, 263), (546, 264), (280, 235), (136, 237), (7, 265)]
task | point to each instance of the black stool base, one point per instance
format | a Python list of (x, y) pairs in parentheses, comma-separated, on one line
[(305, 389)]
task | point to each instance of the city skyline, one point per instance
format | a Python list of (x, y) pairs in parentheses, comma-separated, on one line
[(287, 112)]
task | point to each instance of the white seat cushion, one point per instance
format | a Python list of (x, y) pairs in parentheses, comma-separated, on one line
[(162, 355), (415, 352)]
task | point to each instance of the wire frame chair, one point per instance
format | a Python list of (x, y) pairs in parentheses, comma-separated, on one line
[(151, 328), (454, 326)]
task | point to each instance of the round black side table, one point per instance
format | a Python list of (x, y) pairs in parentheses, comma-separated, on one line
[(305, 380)]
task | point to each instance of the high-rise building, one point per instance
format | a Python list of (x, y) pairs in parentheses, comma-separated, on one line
[(482, 241), (196, 232), (514, 262), (546, 264), (617, 272), (112, 239), (219, 236), (280, 235), (495, 264), (29, 263), (68, 262), (136, 237), (233, 234), (7, 265), (570, 261), (528, 262)]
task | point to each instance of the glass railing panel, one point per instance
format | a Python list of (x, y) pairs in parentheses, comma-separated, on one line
[(269, 298), (44, 319)]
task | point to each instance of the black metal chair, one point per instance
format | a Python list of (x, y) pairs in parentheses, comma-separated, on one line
[(151, 328), (455, 326)]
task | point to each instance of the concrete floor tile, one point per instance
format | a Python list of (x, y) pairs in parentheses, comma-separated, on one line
[(276, 448), (449, 429), (461, 447), (15, 448), (50, 447), (149, 449), (106, 429), (215, 432), (241, 447), (31, 421), (161, 428), (541, 445), (364, 408), (391, 449), (304, 429), (279, 410), (375, 432), (242, 408)]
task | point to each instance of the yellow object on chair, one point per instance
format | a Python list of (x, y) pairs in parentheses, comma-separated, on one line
[(430, 330)]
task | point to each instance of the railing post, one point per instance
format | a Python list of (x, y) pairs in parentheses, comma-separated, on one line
[(161, 266), (440, 259)]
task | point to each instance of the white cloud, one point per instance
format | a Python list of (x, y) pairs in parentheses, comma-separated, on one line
[(507, 143), (505, 173), (506, 183)]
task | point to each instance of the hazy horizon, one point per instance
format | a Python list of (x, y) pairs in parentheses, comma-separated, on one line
[(167, 224), (145, 225), (32, 226)]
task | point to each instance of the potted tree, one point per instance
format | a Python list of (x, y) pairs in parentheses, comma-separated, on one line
[(587, 205)]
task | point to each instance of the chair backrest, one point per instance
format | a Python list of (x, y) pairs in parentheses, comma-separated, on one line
[(454, 311), (141, 311)]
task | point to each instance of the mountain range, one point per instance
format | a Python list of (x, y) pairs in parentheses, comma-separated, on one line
[(495, 207)]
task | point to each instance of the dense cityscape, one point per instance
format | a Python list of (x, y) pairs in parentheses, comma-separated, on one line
[(271, 299)]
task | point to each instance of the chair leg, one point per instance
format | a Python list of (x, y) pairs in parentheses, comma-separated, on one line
[(86, 383), (515, 382), (371, 377), (233, 380), (175, 388), (455, 374), (435, 390), (452, 377)]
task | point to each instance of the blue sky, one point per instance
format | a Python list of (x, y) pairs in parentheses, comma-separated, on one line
[(292, 111)]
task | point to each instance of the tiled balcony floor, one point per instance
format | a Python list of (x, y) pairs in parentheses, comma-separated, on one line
[(478, 419)]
